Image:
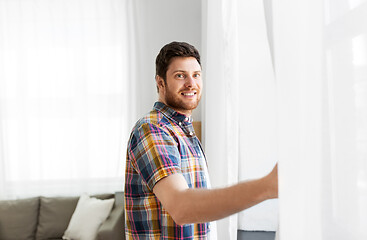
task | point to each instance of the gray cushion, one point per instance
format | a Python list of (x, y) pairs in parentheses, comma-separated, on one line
[(55, 214), (104, 196), (18, 219)]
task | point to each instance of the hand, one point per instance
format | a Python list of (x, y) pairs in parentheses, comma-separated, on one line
[(272, 181)]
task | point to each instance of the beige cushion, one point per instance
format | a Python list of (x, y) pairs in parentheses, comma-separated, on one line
[(18, 219), (88, 216)]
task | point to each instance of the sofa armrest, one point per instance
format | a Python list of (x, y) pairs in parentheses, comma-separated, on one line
[(114, 226)]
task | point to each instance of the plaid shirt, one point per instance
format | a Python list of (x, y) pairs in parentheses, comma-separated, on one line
[(161, 144)]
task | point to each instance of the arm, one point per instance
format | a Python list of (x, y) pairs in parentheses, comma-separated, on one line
[(187, 205)]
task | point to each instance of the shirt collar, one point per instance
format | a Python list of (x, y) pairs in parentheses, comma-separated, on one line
[(170, 113)]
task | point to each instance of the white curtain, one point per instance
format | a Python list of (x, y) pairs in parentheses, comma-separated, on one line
[(239, 107), (221, 118), (65, 87), (258, 151), (321, 72)]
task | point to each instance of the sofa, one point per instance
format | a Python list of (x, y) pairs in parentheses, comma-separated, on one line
[(41, 218)]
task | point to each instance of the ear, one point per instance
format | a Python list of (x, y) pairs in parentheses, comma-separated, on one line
[(159, 81)]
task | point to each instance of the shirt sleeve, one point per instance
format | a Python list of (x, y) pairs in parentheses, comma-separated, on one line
[(154, 153)]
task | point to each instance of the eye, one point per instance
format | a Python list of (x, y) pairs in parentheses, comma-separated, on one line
[(180, 75), (196, 75)]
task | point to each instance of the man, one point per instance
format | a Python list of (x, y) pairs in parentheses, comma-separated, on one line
[(166, 182)]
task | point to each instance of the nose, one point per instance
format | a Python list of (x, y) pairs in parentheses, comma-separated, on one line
[(190, 82)]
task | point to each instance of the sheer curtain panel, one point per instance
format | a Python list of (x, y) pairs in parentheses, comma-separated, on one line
[(239, 105), (257, 111), (221, 100), (65, 112), (321, 72)]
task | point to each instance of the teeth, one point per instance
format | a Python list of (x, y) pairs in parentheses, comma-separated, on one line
[(189, 94)]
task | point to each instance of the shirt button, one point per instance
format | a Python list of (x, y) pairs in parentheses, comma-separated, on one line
[(180, 123), (191, 133), (186, 119)]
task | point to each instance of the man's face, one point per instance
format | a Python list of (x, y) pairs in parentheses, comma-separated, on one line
[(182, 90)]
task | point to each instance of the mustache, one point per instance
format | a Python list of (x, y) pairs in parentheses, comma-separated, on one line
[(188, 89)]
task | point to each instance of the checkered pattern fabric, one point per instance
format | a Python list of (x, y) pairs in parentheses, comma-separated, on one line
[(161, 144)]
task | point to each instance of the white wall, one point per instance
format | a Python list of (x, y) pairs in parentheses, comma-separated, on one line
[(158, 23)]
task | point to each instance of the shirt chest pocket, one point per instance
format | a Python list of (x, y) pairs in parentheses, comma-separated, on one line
[(193, 168)]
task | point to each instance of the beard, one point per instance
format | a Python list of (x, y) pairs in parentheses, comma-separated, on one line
[(177, 103)]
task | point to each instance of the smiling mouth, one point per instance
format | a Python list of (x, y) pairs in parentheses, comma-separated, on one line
[(189, 94)]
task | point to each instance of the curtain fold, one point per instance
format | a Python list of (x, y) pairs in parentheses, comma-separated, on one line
[(65, 94)]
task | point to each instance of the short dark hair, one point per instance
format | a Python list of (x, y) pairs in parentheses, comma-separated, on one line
[(172, 50)]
